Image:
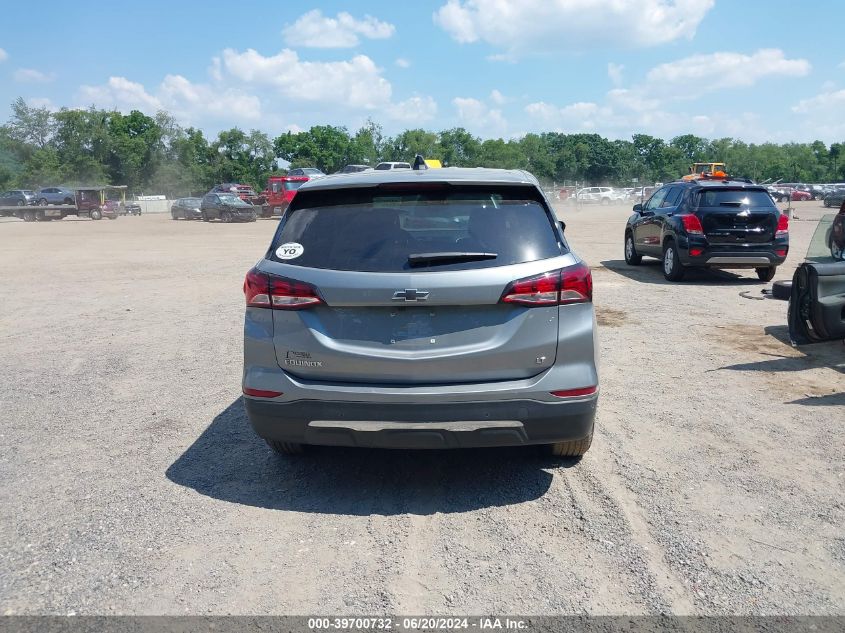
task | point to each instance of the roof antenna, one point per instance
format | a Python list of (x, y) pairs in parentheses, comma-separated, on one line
[(419, 163)]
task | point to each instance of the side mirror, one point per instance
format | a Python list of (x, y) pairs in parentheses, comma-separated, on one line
[(638, 208), (562, 226)]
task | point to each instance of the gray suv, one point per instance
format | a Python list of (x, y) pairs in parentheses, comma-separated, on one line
[(421, 309)]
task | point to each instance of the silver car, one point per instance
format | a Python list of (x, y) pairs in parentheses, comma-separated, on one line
[(438, 308)]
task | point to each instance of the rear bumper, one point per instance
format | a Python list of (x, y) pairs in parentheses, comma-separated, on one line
[(733, 255), (432, 426)]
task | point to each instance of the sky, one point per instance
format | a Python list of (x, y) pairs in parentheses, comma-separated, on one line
[(755, 70)]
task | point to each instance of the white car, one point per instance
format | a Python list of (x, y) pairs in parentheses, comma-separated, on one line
[(598, 195), (387, 166)]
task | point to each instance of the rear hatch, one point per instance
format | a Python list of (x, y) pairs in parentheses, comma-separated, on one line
[(411, 284), (737, 215)]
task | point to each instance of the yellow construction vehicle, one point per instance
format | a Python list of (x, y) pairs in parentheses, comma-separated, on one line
[(706, 170)]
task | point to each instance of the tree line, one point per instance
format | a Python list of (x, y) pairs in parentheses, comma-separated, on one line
[(154, 154)]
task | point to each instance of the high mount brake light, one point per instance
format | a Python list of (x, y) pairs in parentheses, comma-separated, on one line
[(783, 226), (692, 224), (265, 291), (573, 284)]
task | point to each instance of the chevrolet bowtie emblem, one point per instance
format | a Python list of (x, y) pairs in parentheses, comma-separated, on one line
[(410, 294)]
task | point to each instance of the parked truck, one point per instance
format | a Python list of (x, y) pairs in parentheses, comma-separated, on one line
[(279, 193), (89, 202)]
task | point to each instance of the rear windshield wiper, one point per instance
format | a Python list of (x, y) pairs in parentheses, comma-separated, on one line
[(421, 259)]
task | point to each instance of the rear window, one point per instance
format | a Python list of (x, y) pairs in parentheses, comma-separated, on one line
[(377, 230), (735, 198)]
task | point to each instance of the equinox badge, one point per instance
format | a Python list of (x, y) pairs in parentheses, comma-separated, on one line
[(410, 294)]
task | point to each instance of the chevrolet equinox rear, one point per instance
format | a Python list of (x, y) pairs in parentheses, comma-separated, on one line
[(421, 309)]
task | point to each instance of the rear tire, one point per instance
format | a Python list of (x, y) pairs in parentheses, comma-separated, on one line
[(204, 217), (285, 448), (573, 448), (226, 217), (766, 274), (96, 214), (631, 257), (42, 202), (29, 216), (673, 270)]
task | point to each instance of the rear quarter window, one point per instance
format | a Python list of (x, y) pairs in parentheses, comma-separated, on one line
[(373, 230)]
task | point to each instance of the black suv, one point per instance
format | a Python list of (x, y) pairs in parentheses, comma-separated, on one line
[(709, 224)]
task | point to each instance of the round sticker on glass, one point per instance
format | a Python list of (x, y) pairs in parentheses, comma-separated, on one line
[(290, 250)]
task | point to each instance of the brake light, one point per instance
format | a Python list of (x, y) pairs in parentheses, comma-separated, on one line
[(781, 252), (576, 284), (574, 393), (783, 226), (573, 284), (692, 224), (265, 291), (696, 252)]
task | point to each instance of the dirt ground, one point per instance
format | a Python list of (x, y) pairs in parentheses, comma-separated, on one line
[(131, 483)]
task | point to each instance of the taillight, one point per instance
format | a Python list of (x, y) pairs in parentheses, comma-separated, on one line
[(576, 284), (573, 284), (783, 226), (265, 291), (696, 252), (692, 224)]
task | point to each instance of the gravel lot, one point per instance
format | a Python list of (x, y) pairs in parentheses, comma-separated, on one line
[(131, 483)]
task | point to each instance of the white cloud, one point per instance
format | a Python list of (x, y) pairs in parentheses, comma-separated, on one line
[(542, 26), (497, 97), (3, 55), (695, 75), (575, 117), (41, 102), (355, 83), (290, 89), (822, 115), (32, 76), (402, 62), (186, 100), (414, 110), (315, 30), (476, 116), (614, 72)]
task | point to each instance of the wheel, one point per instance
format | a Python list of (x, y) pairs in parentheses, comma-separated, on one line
[(43, 202), (174, 215), (605, 202), (782, 290), (204, 217), (19, 203), (286, 448), (573, 448), (767, 273), (673, 270), (836, 252), (29, 216), (68, 201), (96, 214), (39, 216), (226, 217), (631, 257), (254, 218)]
